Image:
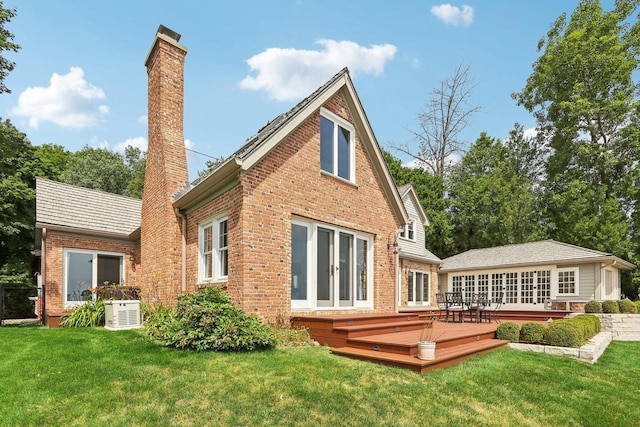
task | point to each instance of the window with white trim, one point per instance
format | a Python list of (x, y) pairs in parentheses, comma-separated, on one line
[(418, 287), (408, 231), (84, 270), (567, 281), (337, 146), (213, 246)]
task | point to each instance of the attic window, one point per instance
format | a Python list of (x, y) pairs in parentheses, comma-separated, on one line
[(337, 146), (408, 232)]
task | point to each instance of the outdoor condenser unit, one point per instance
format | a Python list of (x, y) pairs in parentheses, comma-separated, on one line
[(121, 314)]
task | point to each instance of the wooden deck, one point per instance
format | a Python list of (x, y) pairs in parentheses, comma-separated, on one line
[(392, 339)]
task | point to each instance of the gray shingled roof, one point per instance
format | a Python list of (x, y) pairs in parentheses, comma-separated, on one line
[(65, 205), (536, 253)]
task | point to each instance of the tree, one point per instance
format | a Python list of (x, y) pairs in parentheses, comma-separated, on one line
[(53, 159), (6, 44), (587, 106), (17, 205), (445, 116), (98, 168), (490, 203), (430, 190), (136, 160)]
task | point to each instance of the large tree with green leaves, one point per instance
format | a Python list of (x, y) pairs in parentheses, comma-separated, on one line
[(491, 202), (584, 97), (6, 44), (17, 205), (101, 169)]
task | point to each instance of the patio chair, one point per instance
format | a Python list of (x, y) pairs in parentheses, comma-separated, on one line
[(492, 308), (442, 306), (476, 304), (455, 304)]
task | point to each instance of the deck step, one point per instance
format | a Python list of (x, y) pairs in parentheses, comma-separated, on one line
[(445, 357), (381, 328)]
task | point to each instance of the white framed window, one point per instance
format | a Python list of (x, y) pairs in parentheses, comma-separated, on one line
[(337, 146), (409, 231), (566, 281), (331, 267), (84, 270), (418, 287), (213, 247)]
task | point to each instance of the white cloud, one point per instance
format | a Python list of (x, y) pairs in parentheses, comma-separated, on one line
[(188, 144), (68, 101), (143, 119), (137, 142), (96, 143), (453, 15), (530, 133), (290, 74)]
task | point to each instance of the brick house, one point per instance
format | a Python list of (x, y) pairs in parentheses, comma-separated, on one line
[(304, 218)]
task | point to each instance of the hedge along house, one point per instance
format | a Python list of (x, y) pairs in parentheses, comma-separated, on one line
[(417, 267), (301, 219), (545, 274)]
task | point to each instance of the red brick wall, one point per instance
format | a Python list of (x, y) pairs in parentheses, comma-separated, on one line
[(288, 183), (166, 173), (54, 246)]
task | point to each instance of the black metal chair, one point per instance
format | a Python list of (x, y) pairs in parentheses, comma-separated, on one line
[(442, 306), (492, 308), (455, 304), (476, 304)]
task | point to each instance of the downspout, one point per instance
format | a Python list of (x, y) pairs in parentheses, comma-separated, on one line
[(43, 272), (184, 248), (398, 280)]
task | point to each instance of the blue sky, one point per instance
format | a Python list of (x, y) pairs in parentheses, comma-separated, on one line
[(80, 77)]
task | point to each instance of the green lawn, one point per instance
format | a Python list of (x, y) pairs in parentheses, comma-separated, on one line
[(97, 377)]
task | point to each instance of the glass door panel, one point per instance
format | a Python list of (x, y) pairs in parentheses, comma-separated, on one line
[(298, 262), (79, 276), (345, 270), (325, 267)]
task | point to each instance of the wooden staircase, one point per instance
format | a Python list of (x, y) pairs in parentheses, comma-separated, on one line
[(392, 339)]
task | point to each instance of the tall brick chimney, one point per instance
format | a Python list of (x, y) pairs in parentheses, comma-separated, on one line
[(166, 172)]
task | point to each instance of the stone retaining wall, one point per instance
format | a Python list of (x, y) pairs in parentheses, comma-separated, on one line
[(623, 327)]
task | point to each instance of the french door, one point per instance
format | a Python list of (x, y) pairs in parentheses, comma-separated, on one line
[(331, 267)]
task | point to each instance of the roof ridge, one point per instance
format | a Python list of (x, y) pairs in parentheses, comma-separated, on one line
[(81, 188)]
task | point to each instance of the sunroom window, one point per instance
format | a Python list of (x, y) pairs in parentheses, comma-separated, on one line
[(337, 149), (567, 281), (213, 248)]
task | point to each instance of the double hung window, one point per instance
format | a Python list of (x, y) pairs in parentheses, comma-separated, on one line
[(418, 287), (337, 146), (213, 246)]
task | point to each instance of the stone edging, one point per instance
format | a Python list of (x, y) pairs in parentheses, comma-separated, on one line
[(590, 352)]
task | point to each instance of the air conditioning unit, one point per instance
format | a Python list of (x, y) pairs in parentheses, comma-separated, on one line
[(121, 314)]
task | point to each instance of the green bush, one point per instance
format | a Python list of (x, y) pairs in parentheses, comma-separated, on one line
[(532, 332), (627, 306), (593, 307), (563, 333), (508, 331), (589, 325), (610, 307), (88, 315), (208, 320), (637, 303)]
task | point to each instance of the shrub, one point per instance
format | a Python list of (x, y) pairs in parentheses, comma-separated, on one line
[(88, 315), (593, 307), (532, 332), (627, 306), (589, 325), (508, 331), (563, 333), (610, 307), (637, 303), (208, 320)]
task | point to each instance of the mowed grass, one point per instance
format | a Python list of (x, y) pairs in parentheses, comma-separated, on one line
[(102, 378)]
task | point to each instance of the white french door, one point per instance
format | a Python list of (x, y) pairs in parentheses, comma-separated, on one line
[(331, 267)]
